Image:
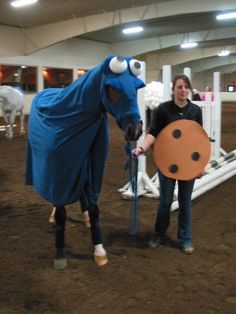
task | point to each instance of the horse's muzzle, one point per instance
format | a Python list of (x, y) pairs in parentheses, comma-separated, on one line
[(133, 132)]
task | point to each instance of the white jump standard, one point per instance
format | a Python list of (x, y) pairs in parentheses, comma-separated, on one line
[(217, 171)]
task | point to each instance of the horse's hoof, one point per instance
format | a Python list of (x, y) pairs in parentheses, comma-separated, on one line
[(9, 137), (51, 228), (60, 263), (101, 260)]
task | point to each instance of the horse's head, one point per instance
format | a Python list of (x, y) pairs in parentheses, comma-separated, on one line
[(119, 86)]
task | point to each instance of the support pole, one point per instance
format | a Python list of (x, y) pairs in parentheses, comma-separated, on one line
[(40, 86), (166, 72), (75, 74), (187, 72), (217, 127)]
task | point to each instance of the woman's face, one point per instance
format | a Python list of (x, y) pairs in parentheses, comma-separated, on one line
[(181, 90)]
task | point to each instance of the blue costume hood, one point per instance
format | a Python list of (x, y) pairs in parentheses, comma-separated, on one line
[(68, 133)]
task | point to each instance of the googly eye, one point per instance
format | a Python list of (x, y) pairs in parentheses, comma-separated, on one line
[(135, 67), (118, 65)]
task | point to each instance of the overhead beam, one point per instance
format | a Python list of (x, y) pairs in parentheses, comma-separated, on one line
[(142, 46), (157, 60), (208, 64), (231, 68)]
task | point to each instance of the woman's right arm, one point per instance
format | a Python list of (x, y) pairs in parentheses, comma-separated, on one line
[(145, 145), (156, 126)]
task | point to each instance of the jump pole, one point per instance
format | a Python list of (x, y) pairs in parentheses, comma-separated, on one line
[(144, 182), (166, 79)]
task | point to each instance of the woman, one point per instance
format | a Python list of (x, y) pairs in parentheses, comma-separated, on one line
[(206, 93), (180, 107), (195, 95)]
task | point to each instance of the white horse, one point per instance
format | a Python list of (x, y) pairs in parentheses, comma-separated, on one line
[(11, 102)]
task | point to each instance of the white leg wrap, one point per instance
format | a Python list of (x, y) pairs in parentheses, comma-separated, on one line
[(99, 250)]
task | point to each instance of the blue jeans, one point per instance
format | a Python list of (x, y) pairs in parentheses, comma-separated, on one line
[(167, 186)]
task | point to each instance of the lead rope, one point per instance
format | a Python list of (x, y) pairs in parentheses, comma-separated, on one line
[(133, 179)]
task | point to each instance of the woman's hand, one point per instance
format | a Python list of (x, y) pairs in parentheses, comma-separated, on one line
[(143, 148), (200, 175), (137, 151)]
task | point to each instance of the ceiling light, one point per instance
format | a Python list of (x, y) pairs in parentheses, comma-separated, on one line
[(21, 3), (24, 67), (224, 53), (226, 16), (188, 45), (132, 30)]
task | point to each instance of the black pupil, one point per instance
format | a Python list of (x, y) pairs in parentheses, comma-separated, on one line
[(137, 65)]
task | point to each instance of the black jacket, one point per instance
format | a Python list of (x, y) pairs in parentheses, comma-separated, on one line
[(168, 112)]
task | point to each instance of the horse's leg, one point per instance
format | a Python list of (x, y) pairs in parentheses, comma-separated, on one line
[(12, 116), (60, 261), (22, 127), (7, 123), (100, 256), (84, 210), (52, 216)]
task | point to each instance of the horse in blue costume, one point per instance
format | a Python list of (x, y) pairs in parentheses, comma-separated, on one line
[(68, 140)]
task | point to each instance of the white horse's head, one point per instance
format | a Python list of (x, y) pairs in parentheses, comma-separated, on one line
[(11, 102)]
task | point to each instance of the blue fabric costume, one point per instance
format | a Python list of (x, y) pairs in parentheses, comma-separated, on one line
[(68, 133)]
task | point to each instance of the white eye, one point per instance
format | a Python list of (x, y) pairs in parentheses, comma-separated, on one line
[(118, 65), (135, 67)]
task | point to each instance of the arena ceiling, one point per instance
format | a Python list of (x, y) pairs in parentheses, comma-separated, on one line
[(166, 23), (51, 11)]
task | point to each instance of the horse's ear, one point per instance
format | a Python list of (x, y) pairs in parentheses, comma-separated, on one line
[(105, 67)]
